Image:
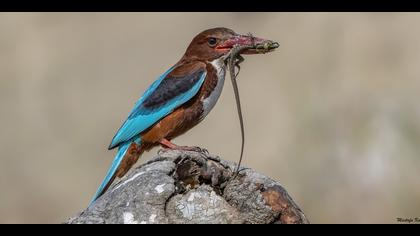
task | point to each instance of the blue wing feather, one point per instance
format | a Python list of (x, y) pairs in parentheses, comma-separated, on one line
[(143, 116), (114, 166)]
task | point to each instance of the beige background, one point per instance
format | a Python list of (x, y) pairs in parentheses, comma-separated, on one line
[(333, 114)]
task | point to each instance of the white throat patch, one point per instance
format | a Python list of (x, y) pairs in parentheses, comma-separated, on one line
[(210, 101)]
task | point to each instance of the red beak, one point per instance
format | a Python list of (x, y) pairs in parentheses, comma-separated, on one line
[(240, 40)]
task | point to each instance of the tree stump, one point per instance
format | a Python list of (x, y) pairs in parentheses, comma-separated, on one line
[(185, 187)]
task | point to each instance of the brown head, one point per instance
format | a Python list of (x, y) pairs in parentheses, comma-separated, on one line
[(214, 43)]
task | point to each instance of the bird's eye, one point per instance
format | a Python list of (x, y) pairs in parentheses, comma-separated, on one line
[(212, 41)]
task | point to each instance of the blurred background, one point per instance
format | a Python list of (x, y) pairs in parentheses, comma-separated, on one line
[(333, 114)]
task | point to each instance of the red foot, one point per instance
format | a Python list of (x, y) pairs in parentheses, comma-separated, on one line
[(168, 144)]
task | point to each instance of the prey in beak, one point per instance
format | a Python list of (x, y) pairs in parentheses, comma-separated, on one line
[(248, 43), (234, 47)]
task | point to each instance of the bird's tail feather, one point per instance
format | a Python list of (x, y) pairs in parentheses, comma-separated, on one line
[(110, 176)]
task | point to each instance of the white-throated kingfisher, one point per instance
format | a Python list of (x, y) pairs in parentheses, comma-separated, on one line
[(177, 101)]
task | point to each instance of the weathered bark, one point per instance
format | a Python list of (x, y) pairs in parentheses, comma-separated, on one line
[(192, 187)]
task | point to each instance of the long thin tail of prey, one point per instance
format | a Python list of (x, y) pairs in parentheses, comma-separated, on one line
[(112, 172), (234, 61)]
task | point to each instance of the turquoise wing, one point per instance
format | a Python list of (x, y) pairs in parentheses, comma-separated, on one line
[(160, 99)]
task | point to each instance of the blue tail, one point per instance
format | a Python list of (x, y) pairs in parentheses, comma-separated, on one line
[(115, 164)]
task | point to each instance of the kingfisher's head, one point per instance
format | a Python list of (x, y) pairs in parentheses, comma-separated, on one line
[(214, 43)]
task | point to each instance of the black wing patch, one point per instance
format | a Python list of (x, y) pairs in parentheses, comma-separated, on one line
[(168, 89)]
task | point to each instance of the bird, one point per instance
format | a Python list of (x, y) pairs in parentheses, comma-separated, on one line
[(177, 101)]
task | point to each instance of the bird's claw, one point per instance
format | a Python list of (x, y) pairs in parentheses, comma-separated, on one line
[(200, 150), (214, 158), (162, 150)]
